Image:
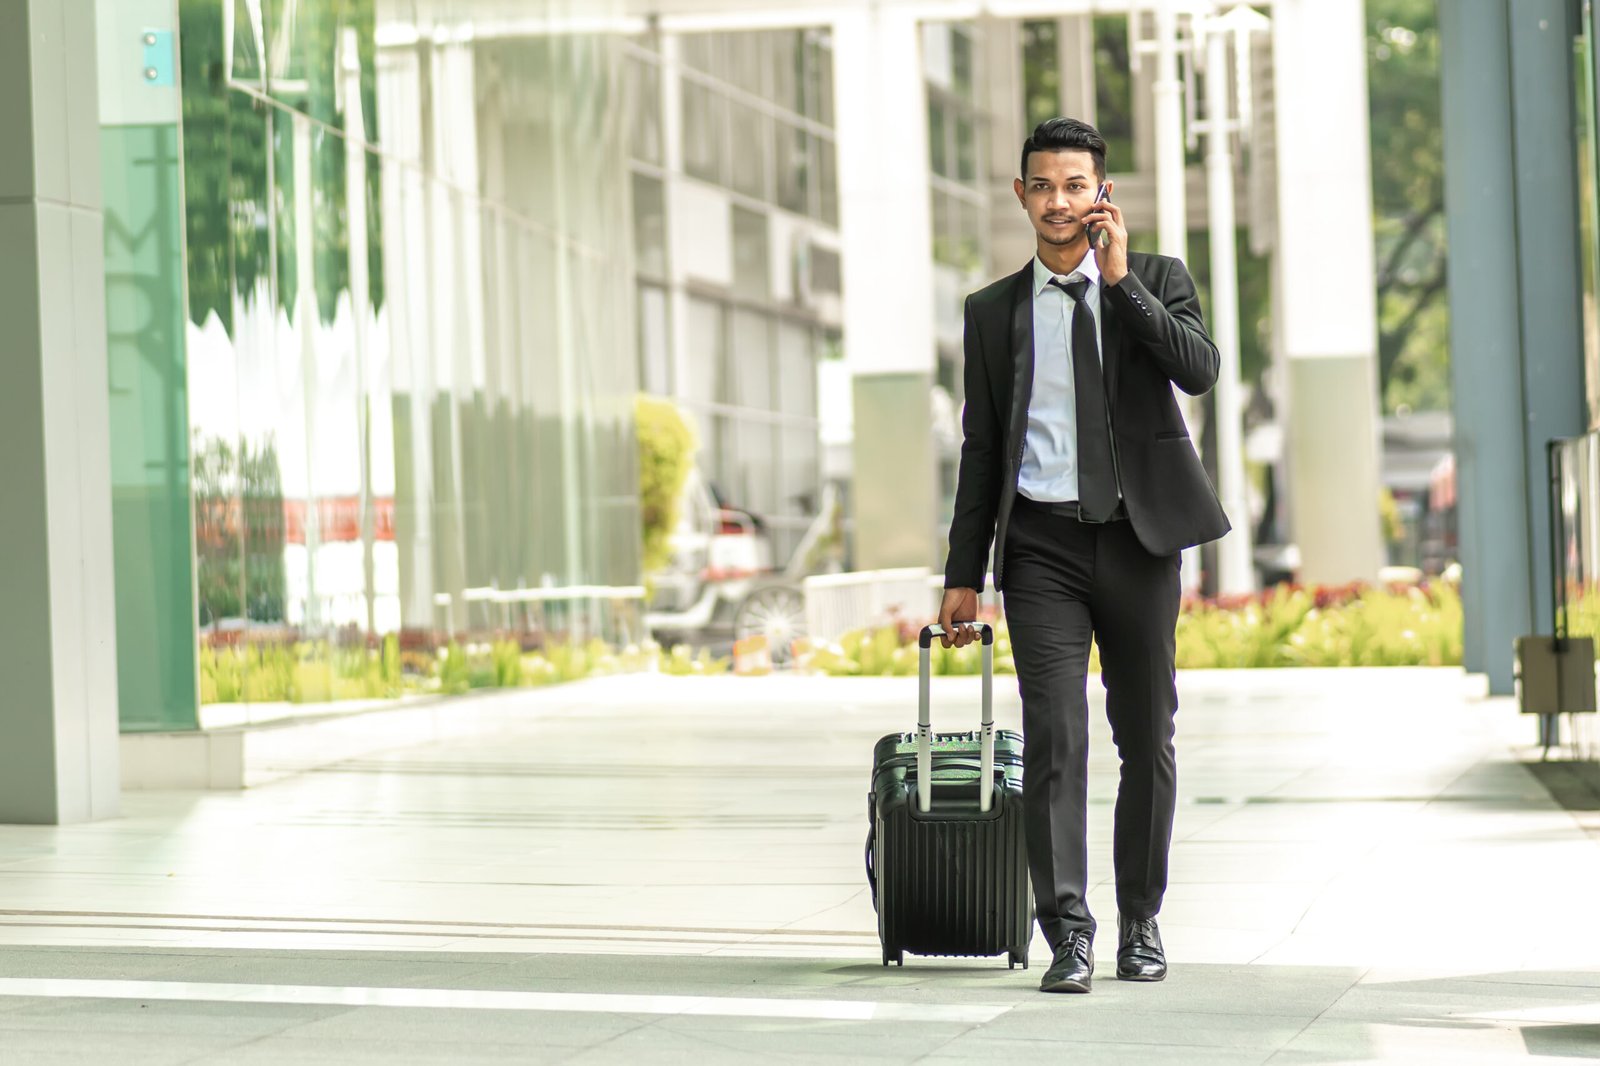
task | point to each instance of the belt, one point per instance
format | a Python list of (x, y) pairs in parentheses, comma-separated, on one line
[(1070, 509)]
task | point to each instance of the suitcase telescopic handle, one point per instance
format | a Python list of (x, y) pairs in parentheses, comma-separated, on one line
[(924, 725)]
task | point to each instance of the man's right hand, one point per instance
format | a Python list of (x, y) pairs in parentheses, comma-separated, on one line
[(960, 606)]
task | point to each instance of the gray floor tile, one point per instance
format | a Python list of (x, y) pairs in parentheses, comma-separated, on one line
[(242, 1021), (1094, 1020), (716, 851), (290, 1051), (1070, 1050), (466, 1027), (26, 1047)]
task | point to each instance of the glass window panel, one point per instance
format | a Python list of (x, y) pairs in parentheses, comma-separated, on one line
[(811, 65), (644, 138), (705, 128), (961, 61), (717, 452), (753, 467), (247, 62), (801, 481), (751, 353), (706, 354), (828, 179), (746, 61), (752, 130), (944, 234), (302, 57), (797, 371), (1041, 80), (966, 150), (649, 225), (148, 423), (655, 347), (938, 139), (783, 47), (751, 254), (1113, 91), (825, 276), (825, 85), (970, 234), (794, 161), (700, 51)]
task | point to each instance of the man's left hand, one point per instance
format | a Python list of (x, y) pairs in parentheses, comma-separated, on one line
[(1110, 242)]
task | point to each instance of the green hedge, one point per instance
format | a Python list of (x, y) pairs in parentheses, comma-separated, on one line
[(1283, 627), (314, 672)]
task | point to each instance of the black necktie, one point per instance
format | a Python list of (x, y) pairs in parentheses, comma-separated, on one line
[(1097, 476)]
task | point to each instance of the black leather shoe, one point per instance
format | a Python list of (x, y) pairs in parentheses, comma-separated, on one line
[(1072, 966), (1140, 956)]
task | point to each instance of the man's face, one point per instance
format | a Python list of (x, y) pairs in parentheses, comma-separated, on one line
[(1058, 191)]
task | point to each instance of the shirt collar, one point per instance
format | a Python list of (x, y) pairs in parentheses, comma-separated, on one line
[(1042, 274)]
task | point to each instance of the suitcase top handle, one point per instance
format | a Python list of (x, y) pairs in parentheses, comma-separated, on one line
[(985, 631), (924, 723)]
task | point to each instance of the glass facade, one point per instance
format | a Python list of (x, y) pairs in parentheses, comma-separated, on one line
[(410, 386), (409, 263)]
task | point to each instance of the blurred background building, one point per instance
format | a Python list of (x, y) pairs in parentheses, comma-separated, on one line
[(378, 282)]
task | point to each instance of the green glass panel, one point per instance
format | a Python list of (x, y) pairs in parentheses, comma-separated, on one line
[(156, 666)]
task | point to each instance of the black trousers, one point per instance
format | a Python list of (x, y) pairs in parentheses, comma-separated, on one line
[(1066, 580)]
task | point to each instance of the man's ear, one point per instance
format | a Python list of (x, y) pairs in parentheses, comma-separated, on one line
[(1016, 184)]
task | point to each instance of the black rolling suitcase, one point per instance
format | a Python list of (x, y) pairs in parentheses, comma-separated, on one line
[(946, 856)]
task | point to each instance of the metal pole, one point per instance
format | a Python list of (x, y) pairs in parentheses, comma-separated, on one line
[(1172, 228), (1234, 570)]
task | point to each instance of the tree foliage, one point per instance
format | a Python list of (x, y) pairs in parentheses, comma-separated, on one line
[(1408, 203), (666, 452)]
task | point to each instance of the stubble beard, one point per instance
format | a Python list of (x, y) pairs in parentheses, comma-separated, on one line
[(1059, 240)]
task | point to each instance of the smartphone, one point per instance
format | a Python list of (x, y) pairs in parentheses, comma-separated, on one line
[(1094, 236)]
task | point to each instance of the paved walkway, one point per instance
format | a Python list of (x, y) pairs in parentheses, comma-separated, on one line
[(660, 869)]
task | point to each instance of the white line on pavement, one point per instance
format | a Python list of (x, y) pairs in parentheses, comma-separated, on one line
[(480, 999)]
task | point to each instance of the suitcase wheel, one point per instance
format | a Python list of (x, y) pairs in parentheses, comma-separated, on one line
[(1019, 957), (896, 957)]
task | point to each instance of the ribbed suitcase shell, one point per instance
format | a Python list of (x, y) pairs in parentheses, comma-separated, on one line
[(953, 881)]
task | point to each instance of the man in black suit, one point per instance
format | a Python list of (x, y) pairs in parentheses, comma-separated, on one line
[(1077, 466)]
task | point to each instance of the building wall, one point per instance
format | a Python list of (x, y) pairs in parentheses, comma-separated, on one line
[(735, 208)]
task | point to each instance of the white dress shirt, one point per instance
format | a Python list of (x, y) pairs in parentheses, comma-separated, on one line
[(1049, 470)]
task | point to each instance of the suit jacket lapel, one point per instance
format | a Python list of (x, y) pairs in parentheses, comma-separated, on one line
[(1021, 361), (1111, 343)]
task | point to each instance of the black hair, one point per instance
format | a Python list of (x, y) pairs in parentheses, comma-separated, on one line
[(1066, 134)]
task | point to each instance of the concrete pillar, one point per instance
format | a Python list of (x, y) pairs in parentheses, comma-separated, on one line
[(1548, 259), (1011, 240), (1516, 353), (1075, 66), (887, 258), (1325, 280), (1235, 572), (58, 718)]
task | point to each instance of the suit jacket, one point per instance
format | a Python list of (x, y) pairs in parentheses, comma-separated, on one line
[(1152, 338)]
